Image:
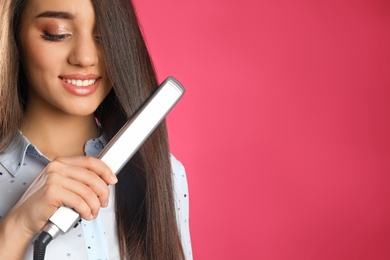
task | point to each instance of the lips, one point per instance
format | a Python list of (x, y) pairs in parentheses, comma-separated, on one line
[(79, 84)]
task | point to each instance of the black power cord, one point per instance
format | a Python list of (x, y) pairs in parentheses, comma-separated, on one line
[(40, 245)]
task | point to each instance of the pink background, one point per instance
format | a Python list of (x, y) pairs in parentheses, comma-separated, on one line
[(285, 126)]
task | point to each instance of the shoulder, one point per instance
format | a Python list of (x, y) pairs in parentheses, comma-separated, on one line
[(180, 184), (177, 166), (182, 204), (178, 174)]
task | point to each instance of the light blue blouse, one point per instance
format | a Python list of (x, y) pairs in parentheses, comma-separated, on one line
[(21, 164)]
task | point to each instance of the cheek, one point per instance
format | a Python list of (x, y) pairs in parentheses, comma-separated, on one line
[(107, 84), (38, 59), (39, 56), (41, 65)]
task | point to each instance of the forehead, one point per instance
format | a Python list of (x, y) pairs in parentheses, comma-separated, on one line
[(77, 8)]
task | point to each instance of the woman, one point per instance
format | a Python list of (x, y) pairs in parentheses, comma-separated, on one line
[(72, 72)]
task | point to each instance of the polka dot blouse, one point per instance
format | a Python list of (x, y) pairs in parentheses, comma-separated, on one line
[(94, 240)]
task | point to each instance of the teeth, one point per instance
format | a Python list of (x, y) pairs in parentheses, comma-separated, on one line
[(80, 83)]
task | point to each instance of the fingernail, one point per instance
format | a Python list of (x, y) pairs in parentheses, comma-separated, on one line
[(105, 204), (114, 178)]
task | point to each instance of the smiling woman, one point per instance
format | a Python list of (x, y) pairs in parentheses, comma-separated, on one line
[(58, 46), (71, 74)]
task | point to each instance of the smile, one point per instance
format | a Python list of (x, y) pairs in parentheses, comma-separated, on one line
[(79, 82)]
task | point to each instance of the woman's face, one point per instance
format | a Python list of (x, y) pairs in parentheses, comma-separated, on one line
[(61, 57)]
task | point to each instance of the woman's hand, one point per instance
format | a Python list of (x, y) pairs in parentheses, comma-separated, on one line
[(76, 182)]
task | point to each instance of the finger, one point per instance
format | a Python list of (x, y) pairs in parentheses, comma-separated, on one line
[(92, 189), (58, 196), (73, 201), (92, 164), (87, 194), (83, 182)]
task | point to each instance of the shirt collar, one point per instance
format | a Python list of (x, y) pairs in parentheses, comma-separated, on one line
[(15, 155)]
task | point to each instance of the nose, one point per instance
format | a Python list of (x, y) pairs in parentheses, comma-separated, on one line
[(84, 52)]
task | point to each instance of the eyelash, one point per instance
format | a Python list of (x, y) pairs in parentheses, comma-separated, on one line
[(54, 37), (60, 37)]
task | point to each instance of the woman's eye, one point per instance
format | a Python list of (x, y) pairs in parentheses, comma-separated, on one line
[(54, 37)]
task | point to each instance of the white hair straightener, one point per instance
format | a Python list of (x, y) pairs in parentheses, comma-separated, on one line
[(117, 153)]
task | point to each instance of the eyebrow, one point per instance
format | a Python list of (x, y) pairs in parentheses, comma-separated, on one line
[(54, 14)]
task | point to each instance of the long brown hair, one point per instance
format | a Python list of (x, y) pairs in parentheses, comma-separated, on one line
[(144, 205), (10, 105)]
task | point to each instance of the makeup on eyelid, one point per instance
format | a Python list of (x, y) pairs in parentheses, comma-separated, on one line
[(54, 24)]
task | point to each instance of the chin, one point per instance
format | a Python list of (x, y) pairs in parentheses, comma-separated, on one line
[(81, 111)]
